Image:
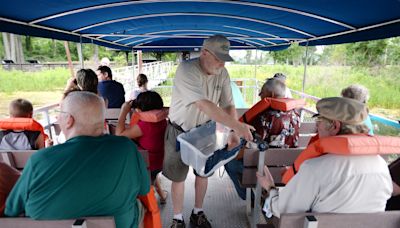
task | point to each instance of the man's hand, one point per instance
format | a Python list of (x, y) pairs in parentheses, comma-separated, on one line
[(266, 181), (244, 131), (233, 140)]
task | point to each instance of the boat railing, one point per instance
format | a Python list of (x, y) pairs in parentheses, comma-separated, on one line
[(249, 89)]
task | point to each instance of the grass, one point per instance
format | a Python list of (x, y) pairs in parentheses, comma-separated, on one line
[(38, 99), (322, 81), (47, 80)]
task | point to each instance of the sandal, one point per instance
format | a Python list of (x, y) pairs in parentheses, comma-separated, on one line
[(164, 200)]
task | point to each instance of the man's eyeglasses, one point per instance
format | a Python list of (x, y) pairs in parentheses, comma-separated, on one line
[(60, 111), (215, 57)]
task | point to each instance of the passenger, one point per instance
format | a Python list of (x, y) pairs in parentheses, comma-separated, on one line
[(148, 135), (333, 183), (201, 92), (91, 174), (280, 129), (142, 83), (85, 80), (110, 89), (13, 132), (361, 94), (105, 62), (282, 78)]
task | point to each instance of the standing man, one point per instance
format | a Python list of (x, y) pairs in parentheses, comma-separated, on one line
[(201, 92), (110, 89)]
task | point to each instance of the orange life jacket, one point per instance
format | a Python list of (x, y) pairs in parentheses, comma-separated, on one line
[(152, 218), (282, 104), (359, 144), (22, 124), (152, 116)]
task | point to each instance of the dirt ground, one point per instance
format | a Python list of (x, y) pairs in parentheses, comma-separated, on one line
[(38, 99)]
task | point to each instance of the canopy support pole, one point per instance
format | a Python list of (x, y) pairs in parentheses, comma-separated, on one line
[(255, 80), (67, 52), (140, 61), (133, 62), (305, 69), (80, 52)]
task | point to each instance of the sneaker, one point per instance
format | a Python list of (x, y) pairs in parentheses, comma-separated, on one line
[(176, 223), (199, 220)]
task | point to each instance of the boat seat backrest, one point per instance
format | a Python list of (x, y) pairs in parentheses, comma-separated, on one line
[(388, 219), (92, 222), (16, 158)]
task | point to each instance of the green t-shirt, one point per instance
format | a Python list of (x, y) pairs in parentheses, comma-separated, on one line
[(85, 176)]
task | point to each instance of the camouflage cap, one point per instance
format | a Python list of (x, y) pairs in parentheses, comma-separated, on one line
[(345, 110), (218, 45)]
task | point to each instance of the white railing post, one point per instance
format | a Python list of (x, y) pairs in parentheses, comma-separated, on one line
[(46, 122)]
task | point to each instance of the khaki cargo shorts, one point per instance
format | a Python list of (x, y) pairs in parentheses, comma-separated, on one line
[(173, 166)]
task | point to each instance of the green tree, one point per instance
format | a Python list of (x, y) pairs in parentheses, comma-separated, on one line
[(1, 48), (295, 55), (393, 51), (334, 55), (367, 53)]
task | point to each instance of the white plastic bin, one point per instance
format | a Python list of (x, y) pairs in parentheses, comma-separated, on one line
[(197, 145)]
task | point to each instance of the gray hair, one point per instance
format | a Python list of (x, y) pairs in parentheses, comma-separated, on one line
[(280, 76), (87, 108), (275, 86), (357, 92), (349, 129), (346, 129)]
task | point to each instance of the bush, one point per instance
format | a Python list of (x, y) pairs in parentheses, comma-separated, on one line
[(326, 81)]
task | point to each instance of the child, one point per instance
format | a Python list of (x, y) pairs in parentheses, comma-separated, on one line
[(148, 135), (20, 131)]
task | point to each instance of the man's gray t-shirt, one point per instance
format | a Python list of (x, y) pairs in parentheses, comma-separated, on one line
[(191, 84)]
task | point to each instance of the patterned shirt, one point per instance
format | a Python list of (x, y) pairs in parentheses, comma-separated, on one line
[(280, 129)]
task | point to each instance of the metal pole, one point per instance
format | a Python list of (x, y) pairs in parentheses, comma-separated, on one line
[(255, 77), (305, 70), (262, 147), (67, 52), (133, 70), (140, 61), (81, 52), (133, 62)]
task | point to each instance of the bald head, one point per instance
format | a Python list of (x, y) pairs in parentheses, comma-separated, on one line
[(88, 113)]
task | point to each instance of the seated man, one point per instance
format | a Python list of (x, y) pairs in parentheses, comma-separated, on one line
[(20, 131), (110, 89), (91, 174), (279, 128), (332, 182)]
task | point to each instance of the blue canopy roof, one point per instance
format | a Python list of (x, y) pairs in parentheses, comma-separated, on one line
[(171, 25)]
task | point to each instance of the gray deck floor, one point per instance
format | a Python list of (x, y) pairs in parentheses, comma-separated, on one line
[(222, 205)]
